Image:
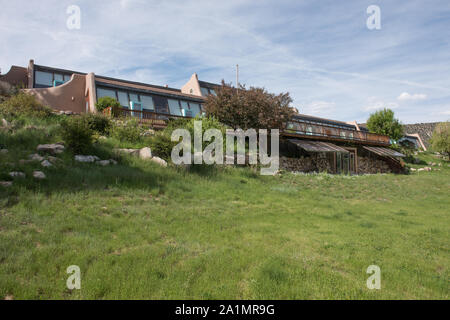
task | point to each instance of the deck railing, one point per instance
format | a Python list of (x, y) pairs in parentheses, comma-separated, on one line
[(294, 128), (156, 119), (325, 132)]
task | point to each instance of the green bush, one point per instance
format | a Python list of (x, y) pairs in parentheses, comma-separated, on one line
[(162, 145), (77, 133), (99, 123), (106, 102), (128, 131), (24, 104)]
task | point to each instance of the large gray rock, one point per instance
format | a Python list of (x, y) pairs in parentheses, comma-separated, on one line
[(46, 164), (132, 152), (3, 151), (6, 184), (17, 174), (36, 157), (4, 123), (39, 175), (145, 153), (103, 163), (159, 161), (51, 148), (81, 158)]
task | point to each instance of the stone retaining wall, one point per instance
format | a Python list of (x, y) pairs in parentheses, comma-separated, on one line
[(319, 163), (372, 165)]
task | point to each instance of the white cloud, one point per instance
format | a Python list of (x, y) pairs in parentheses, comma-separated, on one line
[(374, 103), (405, 96), (318, 108)]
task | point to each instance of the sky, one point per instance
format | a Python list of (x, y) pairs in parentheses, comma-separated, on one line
[(321, 52)]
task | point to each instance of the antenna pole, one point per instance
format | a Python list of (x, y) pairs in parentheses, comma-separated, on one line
[(237, 76)]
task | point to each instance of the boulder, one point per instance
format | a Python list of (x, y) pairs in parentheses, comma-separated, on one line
[(46, 164), (132, 152), (103, 163), (39, 175), (3, 151), (4, 123), (159, 161), (112, 161), (36, 157), (81, 158), (51, 148), (145, 153), (413, 169), (16, 174), (6, 184)]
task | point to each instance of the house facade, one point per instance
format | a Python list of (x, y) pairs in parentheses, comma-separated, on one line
[(308, 143)]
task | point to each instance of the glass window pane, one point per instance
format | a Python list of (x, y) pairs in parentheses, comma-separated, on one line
[(195, 108), (134, 97), (123, 98), (213, 92), (174, 107), (59, 77), (204, 91), (44, 78), (147, 102), (67, 77), (105, 93)]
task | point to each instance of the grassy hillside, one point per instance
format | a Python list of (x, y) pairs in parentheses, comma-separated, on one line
[(138, 230)]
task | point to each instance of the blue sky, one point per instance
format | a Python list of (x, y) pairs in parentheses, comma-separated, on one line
[(321, 52)]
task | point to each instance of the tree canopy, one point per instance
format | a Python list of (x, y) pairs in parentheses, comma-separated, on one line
[(384, 122), (249, 108), (440, 141)]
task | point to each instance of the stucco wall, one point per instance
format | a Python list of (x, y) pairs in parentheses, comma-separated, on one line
[(67, 97), (192, 86), (16, 76)]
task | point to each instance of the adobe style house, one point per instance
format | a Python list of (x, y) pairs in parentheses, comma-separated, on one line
[(308, 143)]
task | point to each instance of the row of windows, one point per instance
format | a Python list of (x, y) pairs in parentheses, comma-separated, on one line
[(324, 124), (152, 103), (50, 79)]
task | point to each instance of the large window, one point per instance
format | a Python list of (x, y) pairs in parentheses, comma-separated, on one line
[(134, 97), (147, 103), (204, 91), (44, 78), (123, 99), (101, 92), (174, 107), (195, 108), (49, 79)]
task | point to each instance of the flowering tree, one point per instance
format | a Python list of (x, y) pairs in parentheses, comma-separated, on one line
[(249, 108)]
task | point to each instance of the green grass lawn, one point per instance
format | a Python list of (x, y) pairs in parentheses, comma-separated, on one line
[(139, 231)]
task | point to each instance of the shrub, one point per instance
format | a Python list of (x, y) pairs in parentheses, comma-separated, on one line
[(130, 131), (99, 123), (383, 122), (77, 133), (105, 102), (440, 141), (24, 104), (161, 145), (249, 108)]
